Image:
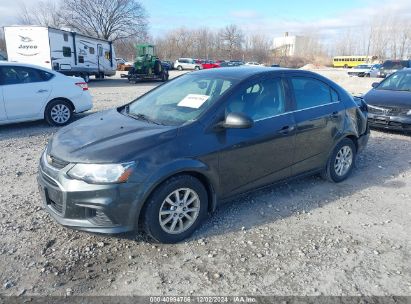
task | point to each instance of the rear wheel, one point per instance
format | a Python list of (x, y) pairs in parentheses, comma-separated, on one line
[(341, 161), (58, 113), (175, 209), (86, 77)]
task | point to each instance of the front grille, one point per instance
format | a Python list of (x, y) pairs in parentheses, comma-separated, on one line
[(57, 206), (56, 162), (385, 110), (99, 218)]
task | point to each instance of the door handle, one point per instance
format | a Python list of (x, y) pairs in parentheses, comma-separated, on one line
[(285, 130), (42, 91)]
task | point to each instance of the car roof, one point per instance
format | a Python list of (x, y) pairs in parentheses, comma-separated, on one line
[(26, 65), (243, 72)]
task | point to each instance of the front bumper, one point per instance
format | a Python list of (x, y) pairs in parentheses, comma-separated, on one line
[(399, 123), (96, 208)]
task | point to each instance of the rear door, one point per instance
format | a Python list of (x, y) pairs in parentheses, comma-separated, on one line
[(25, 91), (262, 154), (319, 118)]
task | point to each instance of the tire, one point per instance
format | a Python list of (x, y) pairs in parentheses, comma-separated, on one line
[(86, 77), (160, 200), (164, 76), (196, 68), (158, 68), (180, 68), (58, 113), (368, 75), (335, 171), (345, 66)]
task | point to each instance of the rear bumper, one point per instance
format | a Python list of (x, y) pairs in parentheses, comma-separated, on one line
[(83, 103), (363, 140), (400, 123), (96, 208)]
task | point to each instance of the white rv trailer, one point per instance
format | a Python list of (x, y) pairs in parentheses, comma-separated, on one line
[(64, 51)]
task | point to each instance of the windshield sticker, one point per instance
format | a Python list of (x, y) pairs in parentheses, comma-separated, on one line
[(193, 101)]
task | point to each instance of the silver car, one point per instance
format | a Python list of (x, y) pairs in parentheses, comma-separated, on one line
[(187, 64)]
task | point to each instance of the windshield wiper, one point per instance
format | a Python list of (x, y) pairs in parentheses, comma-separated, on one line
[(141, 116)]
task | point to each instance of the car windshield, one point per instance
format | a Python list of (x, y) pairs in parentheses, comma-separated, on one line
[(397, 82), (180, 101)]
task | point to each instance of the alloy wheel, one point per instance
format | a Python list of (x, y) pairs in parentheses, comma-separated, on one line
[(60, 113), (343, 161), (179, 210)]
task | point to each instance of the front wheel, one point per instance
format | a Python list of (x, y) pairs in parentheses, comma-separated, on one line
[(341, 161), (197, 68), (175, 209), (180, 68), (58, 113)]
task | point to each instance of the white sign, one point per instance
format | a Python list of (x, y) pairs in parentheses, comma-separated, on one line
[(193, 101)]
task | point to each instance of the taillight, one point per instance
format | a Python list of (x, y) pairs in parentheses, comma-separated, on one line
[(82, 85)]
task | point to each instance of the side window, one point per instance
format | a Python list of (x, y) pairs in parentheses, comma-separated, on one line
[(334, 96), (100, 51), (107, 55), (259, 100), (19, 75), (65, 37), (310, 92), (66, 51), (80, 59), (91, 50)]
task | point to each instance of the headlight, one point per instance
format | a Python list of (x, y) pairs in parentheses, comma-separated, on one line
[(102, 173)]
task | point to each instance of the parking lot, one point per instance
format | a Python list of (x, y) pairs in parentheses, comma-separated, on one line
[(304, 237)]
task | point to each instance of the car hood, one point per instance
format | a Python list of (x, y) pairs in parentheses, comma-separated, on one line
[(400, 99), (107, 137)]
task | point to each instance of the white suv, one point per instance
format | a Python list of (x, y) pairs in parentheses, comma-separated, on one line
[(187, 64), (29, 92)]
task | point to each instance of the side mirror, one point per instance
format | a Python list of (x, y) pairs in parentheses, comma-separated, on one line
[(237, 121), (375, 84)]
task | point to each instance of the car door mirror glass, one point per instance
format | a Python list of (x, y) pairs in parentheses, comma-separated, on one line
[(237, 121)]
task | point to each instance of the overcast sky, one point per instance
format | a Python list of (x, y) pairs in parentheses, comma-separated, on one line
[(268, 17)]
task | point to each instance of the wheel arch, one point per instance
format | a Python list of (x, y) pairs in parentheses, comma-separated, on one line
[(203, 177), (73, 108)]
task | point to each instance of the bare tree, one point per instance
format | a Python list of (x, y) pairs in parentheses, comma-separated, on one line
[(107, 19), (44, 13), (232, 38)]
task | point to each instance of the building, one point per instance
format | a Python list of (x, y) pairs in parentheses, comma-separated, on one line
[(290, 46)]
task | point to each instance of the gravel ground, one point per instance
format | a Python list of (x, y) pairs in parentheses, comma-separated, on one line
[(305, 237)]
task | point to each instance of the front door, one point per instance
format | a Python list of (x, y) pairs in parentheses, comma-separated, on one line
[(263, 153), (25, 92)]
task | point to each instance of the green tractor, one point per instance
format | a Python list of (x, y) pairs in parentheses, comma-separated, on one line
[(147, 65)]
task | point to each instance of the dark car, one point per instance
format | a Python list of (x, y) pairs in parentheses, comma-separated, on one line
[(168, 64), (389, 102), (168, 158), (391, 66)]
